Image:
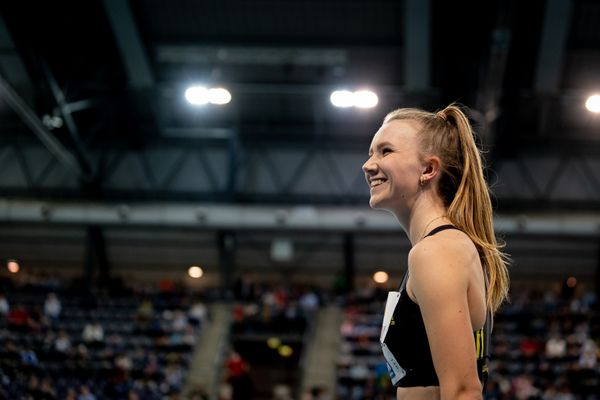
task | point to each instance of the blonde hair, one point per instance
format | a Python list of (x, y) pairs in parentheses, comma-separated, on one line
[(462, 187)]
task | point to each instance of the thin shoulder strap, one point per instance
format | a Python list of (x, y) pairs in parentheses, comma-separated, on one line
[(432, 232), (439, 229)]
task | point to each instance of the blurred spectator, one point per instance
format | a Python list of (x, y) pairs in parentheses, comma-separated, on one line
[(123, 362), (18, 317), (282, 392), (43, 391), (82, 352), (152, 366), (93, 332), (145, 311), (269, 302), (174, 376), (552, 393), (556, 347), (47, 389), (358, 371), (530, 347), (238, 313), (175, 339), (167, 285), (114, 340), (309, 302), (197, 313), (28, 357), (281, 297), (238, 377), (52, 306), (33, 387), (524, 389), (189, 337), (71, 394), (85, 393), (292, 310), (62, 342), (180, 321), (4, 306), (589, 355)]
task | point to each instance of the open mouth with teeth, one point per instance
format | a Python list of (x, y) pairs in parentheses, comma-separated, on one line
[(376, 182)]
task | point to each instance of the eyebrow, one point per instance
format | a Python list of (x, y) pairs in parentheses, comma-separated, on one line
[(379, 146)]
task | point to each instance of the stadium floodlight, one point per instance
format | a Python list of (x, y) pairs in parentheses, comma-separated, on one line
[(195, 272), (365, 99), (197, 95), (342, 98), (359, 99), (593, 103), (219, 96), (13, 266), (285, 350), (380, 277), (201, 95)]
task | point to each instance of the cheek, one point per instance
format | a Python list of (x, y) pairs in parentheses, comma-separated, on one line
[(404, 183)]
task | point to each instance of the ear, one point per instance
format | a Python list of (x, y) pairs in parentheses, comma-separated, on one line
[(433, 165)]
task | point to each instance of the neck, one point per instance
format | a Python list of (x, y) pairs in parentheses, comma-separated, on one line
[(425, 216)]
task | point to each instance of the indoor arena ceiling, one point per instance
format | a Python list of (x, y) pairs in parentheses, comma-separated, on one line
[(103, 162), (99, 84)]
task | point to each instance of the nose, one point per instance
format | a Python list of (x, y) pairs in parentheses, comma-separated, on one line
[(369, 167)]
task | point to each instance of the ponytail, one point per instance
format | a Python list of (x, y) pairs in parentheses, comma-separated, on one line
[(471, 210), (463, 188)]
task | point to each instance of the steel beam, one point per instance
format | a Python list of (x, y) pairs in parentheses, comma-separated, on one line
[(129, 43), (557, 18), (80, 152), (240, 217), (10, 61), (33, 122), (488, 98)]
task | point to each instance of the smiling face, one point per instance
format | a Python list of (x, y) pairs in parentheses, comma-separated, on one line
[(394, 166)]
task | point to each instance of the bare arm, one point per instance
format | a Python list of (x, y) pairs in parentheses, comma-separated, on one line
[(439, 275)]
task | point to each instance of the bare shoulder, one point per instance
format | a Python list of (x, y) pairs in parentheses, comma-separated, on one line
[(446, 258), (446, 246)]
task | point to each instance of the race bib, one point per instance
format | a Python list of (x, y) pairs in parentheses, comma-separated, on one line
[(394, 368)]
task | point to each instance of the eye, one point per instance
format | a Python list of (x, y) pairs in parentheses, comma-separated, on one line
[(386, 150)]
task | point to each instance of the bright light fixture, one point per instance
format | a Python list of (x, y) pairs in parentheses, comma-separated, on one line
[(197, 95), (380, 277), (274, 342), (201, 95), (342, 98), (365, 99), (285, 350), (593, 103), (195, 272), (13, 266), (219, 96), (359, 99)]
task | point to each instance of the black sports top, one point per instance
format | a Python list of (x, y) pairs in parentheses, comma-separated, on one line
[(405, 345)]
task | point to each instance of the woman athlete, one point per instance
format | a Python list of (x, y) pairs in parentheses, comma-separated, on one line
[(426, 170)]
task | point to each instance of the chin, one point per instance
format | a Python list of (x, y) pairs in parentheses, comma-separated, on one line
[(382, 203), (376, 205), (373, 203)]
